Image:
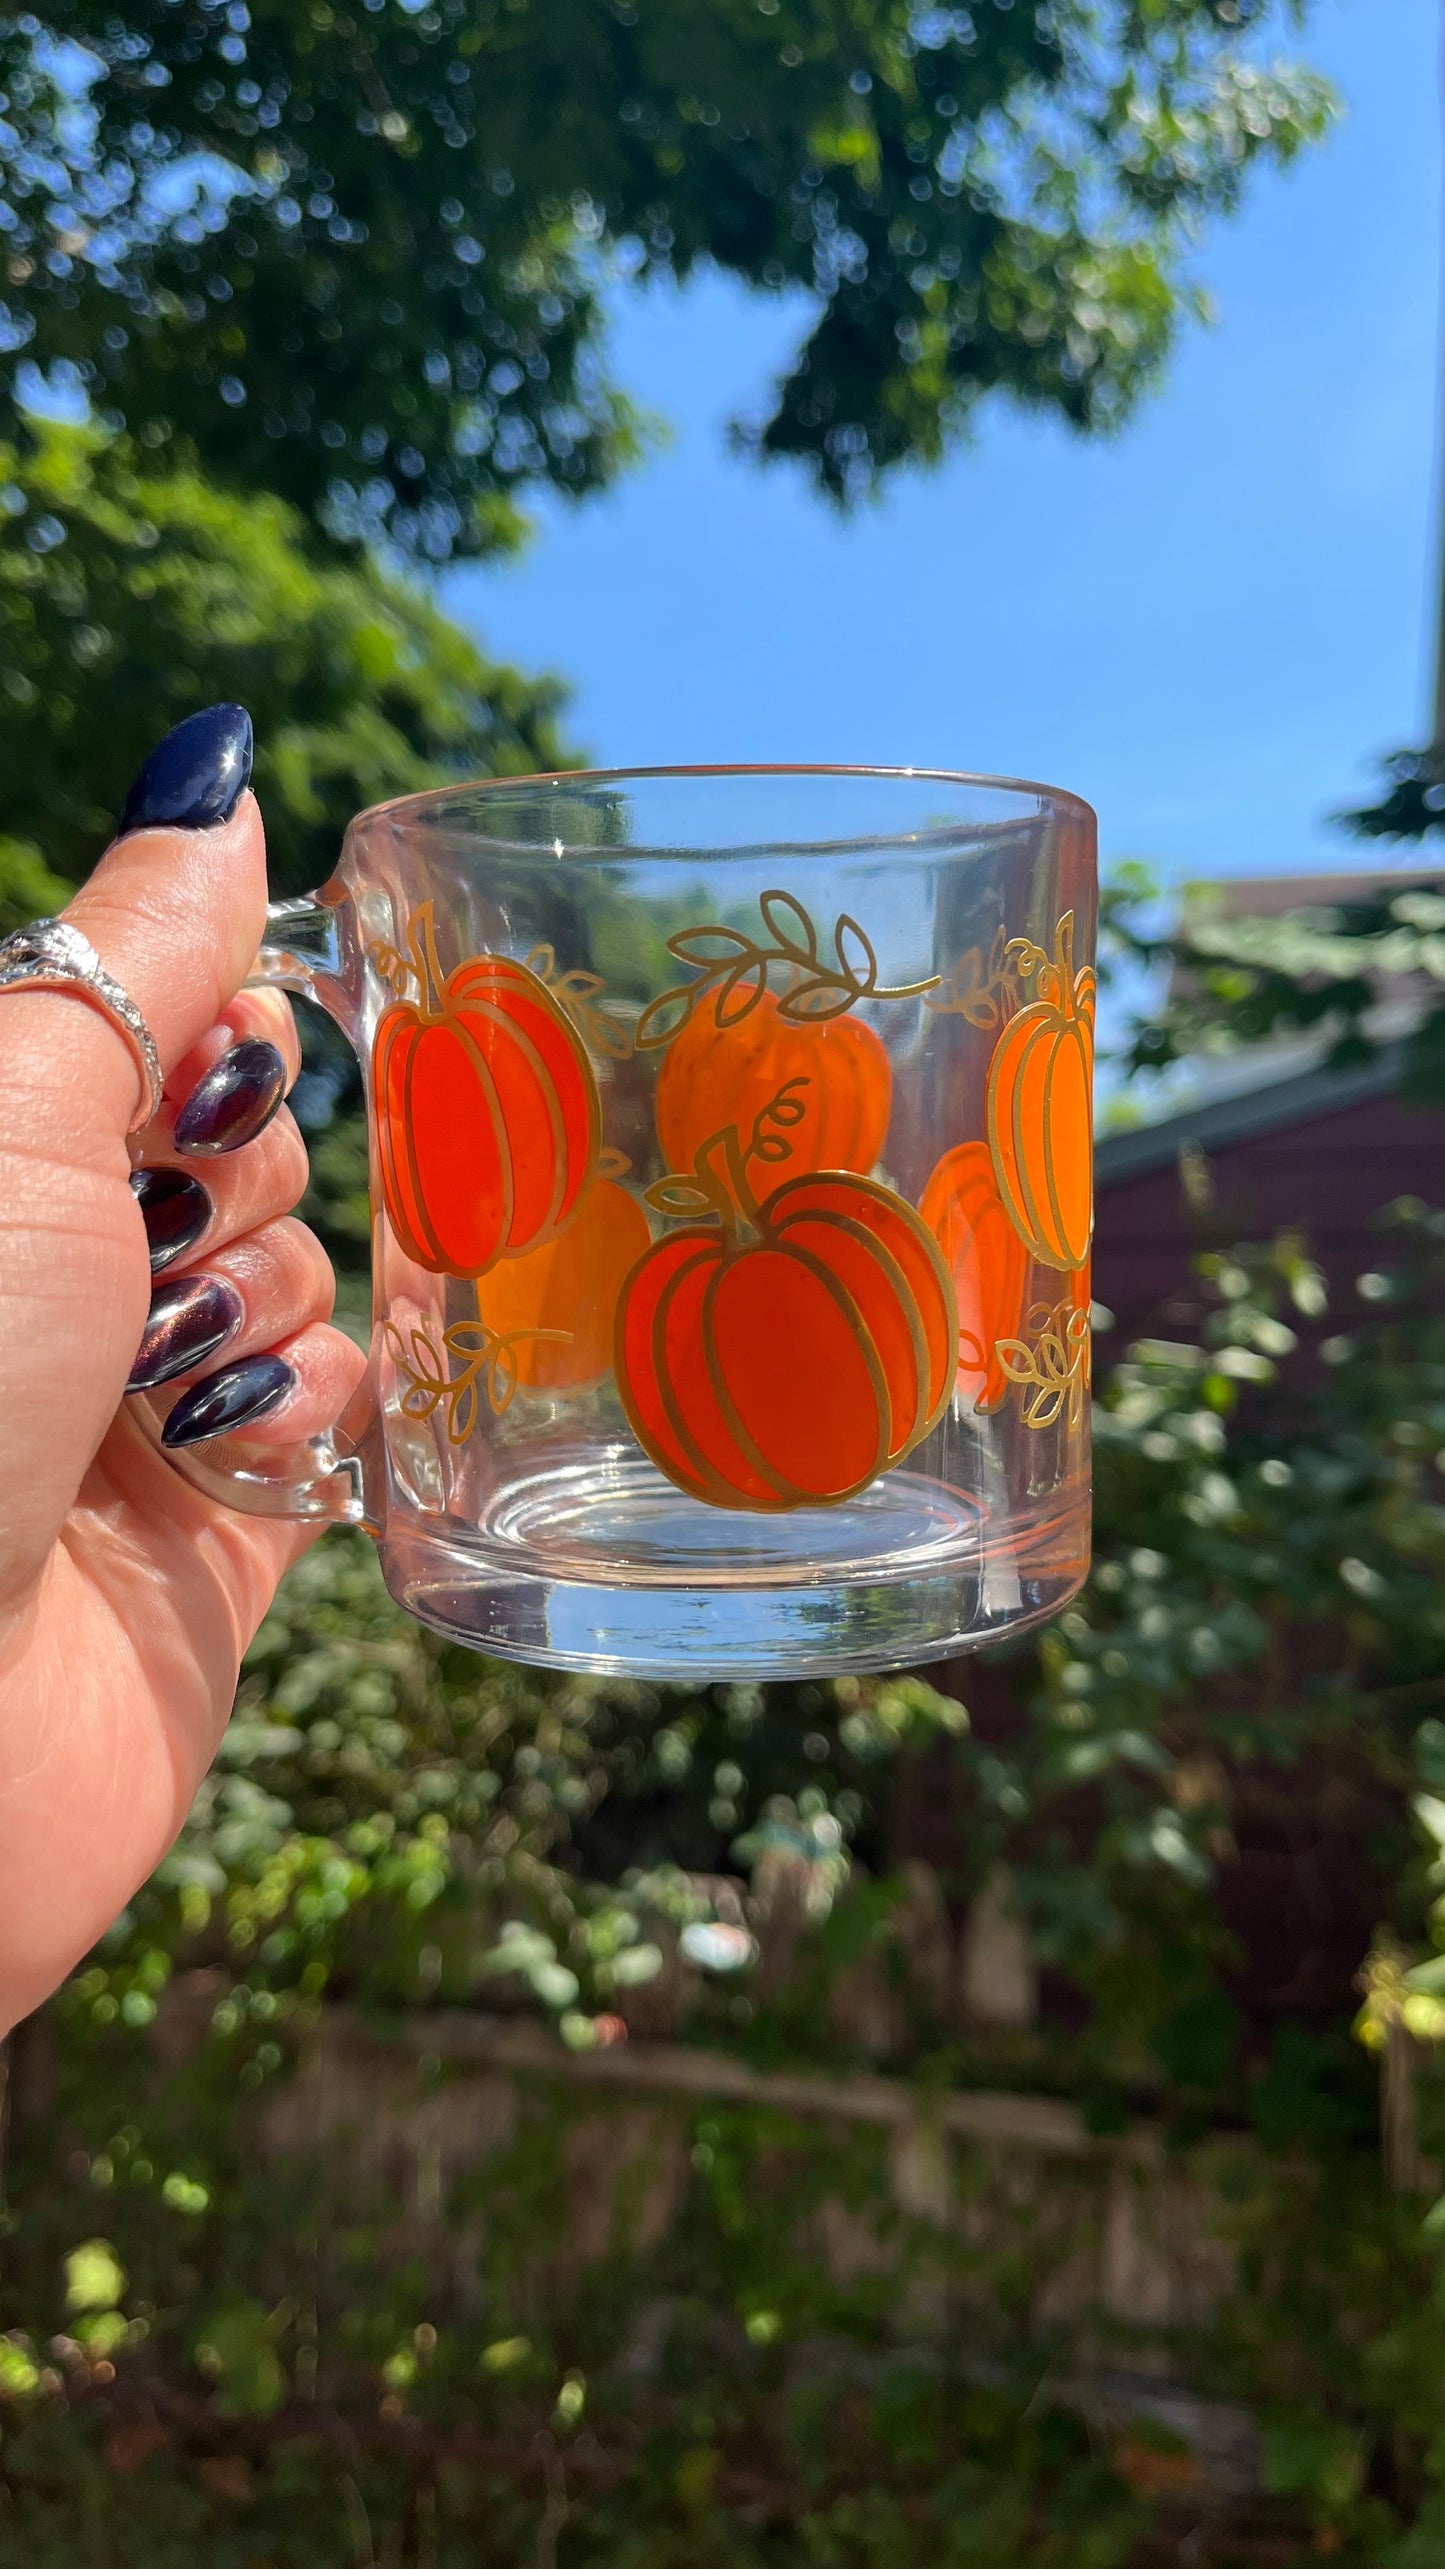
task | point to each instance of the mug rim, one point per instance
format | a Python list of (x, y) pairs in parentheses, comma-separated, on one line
[(399, 805)]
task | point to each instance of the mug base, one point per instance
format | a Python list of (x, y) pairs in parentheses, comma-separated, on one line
[(910, 1571)]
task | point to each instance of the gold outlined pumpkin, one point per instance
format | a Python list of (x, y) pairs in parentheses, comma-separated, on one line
[(1040, 1105), (716, 1070), (784, 1353), (558, 1303), (987, 1260), (487, 1112)]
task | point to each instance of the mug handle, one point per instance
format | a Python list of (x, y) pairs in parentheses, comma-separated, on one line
[(309, 949)]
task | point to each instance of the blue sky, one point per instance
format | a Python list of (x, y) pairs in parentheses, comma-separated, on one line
[(1208, 626)]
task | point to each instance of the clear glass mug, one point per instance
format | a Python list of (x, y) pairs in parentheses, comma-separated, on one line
[(732, 1200)]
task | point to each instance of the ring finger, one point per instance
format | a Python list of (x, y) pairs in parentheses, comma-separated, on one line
[(268, 1285)]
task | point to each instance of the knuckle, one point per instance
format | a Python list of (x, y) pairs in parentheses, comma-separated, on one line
[(289, 1166), (281, 1266), (307, 1262), (268, 1013)]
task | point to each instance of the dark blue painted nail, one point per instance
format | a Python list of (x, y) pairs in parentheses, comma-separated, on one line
[(189, 1319), (232, 1398), (233, 1103), (175, 1209), (195, 776)]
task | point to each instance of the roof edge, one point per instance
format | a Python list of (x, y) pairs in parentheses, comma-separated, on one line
[(1213, 1126)]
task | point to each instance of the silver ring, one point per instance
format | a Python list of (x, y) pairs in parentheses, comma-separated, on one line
[(51, 955)]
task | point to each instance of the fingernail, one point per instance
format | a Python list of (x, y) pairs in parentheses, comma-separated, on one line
[(175, 1210), (189, 1319), (234, 1102), (195, 776), (231, 1398)]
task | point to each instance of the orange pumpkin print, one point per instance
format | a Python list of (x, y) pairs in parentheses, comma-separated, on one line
[(1041, 1105), (487, 1111), (569, 1289), (786, 1355), (724, 1073), (987, 1260)]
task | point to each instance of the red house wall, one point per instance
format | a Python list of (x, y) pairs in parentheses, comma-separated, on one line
[(1327, 1176)]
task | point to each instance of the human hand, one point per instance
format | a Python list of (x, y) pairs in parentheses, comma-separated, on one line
[(126, 1598)]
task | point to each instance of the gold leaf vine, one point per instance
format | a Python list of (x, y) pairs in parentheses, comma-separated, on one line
[(985, 992), (582, 995), (393, 967), (488, 1366), (1053, 1373), (735, 968)]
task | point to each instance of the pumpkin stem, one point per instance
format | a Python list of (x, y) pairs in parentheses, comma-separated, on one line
[(722, 1172), (1064, 965), (421, 938)]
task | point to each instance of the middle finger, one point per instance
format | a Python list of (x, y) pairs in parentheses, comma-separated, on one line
[(191, 1210)]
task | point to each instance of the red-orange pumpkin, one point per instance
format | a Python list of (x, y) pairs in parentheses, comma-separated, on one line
[(834, 1069), (987, 1261), (487, 1113), (569, 1289), (787, 1357), (1041, 1106)]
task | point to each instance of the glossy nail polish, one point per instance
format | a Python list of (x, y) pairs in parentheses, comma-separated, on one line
[(232, 1398), (233, 1103), (175, 1209), (189, 1319), (196, 776)]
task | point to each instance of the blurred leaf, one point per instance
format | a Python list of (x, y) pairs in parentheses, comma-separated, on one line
[(94, 2276), (235, 2347)]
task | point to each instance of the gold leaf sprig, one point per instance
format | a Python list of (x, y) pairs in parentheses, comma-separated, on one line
[(1053, 1373), (734, 969), (393, 967), (488, 1366), (985, 993), (1073, 994), (581, 994), (418, 970)]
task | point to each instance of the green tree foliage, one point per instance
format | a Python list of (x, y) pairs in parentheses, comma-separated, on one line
[(1234, 980), (1412, 802), (133, 585), (359, 253)]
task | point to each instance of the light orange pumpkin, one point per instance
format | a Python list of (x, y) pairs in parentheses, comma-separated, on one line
[(1041, 1106), (987, 1260), (487, 1113), (568, 1287), (786, 1356), (834, 1071)]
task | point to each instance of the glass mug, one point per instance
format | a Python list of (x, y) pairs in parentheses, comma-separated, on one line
[(732, 1197)]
